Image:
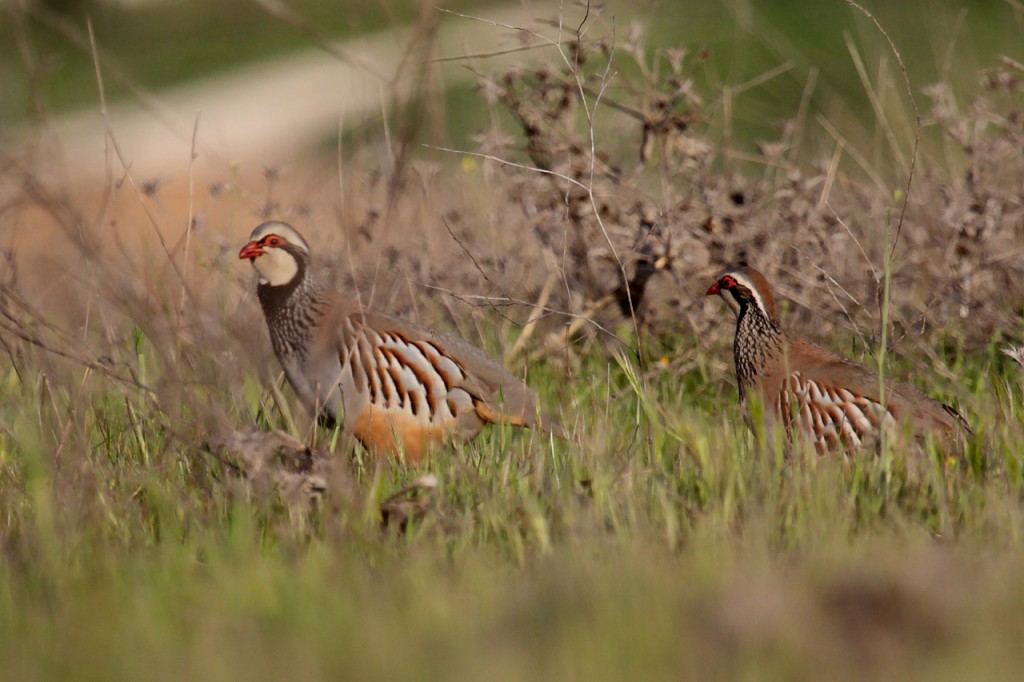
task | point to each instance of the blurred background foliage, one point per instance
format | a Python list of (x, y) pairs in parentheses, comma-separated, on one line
[(46, 65)]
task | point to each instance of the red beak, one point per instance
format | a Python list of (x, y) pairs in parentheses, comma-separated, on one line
[(713, 290), (251, 251)]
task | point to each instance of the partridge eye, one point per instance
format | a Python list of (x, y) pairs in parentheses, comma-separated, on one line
[(273, 241), (727, 283)]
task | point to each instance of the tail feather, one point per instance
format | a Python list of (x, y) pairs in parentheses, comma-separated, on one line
[(542, 421), (959, 419), (548, 425)]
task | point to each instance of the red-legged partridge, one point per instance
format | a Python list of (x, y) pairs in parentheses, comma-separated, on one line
[(818, 396), (397, 387)]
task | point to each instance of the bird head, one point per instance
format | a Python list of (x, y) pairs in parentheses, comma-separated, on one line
[(744, 288), (277, 251)]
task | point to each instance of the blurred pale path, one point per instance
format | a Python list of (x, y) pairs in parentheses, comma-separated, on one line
[(272, 112)]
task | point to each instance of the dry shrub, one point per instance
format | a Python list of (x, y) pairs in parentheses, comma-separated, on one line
[(622, 177)]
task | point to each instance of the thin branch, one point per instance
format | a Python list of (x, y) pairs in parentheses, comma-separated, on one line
[(117, 150), (281, 11), (513, 164), (188, 224), (510, 301), (917, 121)]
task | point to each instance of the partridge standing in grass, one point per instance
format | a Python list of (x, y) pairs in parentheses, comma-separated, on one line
[(817, 395), (397, 387)]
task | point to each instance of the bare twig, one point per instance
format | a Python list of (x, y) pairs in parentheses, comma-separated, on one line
[(283, 12), (188, 225), (535, 314), (917, 121), (14, 326), (513, 164), (124, 163)]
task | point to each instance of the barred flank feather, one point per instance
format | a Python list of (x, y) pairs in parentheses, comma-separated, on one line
[(816, 395)]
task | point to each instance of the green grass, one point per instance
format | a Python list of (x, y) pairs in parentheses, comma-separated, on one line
[(695, 554)]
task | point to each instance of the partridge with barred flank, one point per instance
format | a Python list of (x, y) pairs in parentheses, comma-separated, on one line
[(397, 387), (818, 396)]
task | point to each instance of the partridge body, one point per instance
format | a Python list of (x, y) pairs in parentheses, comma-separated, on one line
[(394, 385), (815, 394)]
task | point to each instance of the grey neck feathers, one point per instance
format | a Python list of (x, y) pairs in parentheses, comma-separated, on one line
[(290, 310), (759, 338)]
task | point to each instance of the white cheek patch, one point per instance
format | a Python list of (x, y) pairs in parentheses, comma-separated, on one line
[(275, 267)]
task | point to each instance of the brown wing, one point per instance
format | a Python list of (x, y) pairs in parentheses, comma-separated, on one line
[(903, 401), (499, 396)]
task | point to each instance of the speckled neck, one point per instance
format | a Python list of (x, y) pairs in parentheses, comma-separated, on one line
[(759, 338), (290, 310)]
